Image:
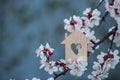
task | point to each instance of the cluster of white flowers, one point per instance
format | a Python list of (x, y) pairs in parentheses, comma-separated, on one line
[(93, 17), (76, 68), (113, 8), (44, 49), (45, 52), (90, 20), (104, 64), (116, 38), (84, 25)]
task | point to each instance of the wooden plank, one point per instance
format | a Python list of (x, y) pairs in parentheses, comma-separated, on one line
[(76, 38)]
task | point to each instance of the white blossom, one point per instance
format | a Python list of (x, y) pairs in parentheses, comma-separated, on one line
[(92, 17), (88, 10), (50, 68), (78, 20), (39, 50), (51, 78), (82, 60), (116, 38), (100, 57), (47, 46), (113, 8), (96, 12), (118, 22), (78, 68), (95, 76), (44, 51), (115, 60), (96, 65), (34, 78), (63, 66), (85, 22), (90, 35), (101, 0), (76, 23), (43, 61), (68, 26), (104, 64)]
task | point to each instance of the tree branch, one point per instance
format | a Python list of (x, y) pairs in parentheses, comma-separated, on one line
[(106, 37), (100, 3), (111, 43), (62, 73), (103, 18)]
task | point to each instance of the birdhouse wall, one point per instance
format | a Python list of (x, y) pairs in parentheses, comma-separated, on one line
[(71, 55), (75, 38)]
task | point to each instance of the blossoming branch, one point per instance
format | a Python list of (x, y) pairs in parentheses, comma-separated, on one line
[(106, 60)]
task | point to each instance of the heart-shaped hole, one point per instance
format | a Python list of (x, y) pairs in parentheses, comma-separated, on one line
[(76, 48)]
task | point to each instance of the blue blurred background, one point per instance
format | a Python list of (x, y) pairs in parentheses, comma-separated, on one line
[(25, 24)]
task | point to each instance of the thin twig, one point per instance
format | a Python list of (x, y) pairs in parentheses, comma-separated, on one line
[(103, 18), (105, 37), (111, 43), (62, 73), (100, 3)]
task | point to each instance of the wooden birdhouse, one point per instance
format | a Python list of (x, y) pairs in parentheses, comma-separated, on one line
[(81, 42)]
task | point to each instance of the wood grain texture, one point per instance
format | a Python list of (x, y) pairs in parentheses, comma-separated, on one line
[(77, 38)]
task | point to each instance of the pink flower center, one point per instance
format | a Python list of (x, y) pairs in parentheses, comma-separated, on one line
[(84, 33), (61, 64), (108, 56), (113, 1), (46, 50), (105, 57), (116, 11), (76, 68), (73, 22), (57, 63), (111, 56), (89, 15), (83, 22)]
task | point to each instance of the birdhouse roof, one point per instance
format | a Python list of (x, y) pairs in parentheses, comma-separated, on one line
[(76, 37)]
